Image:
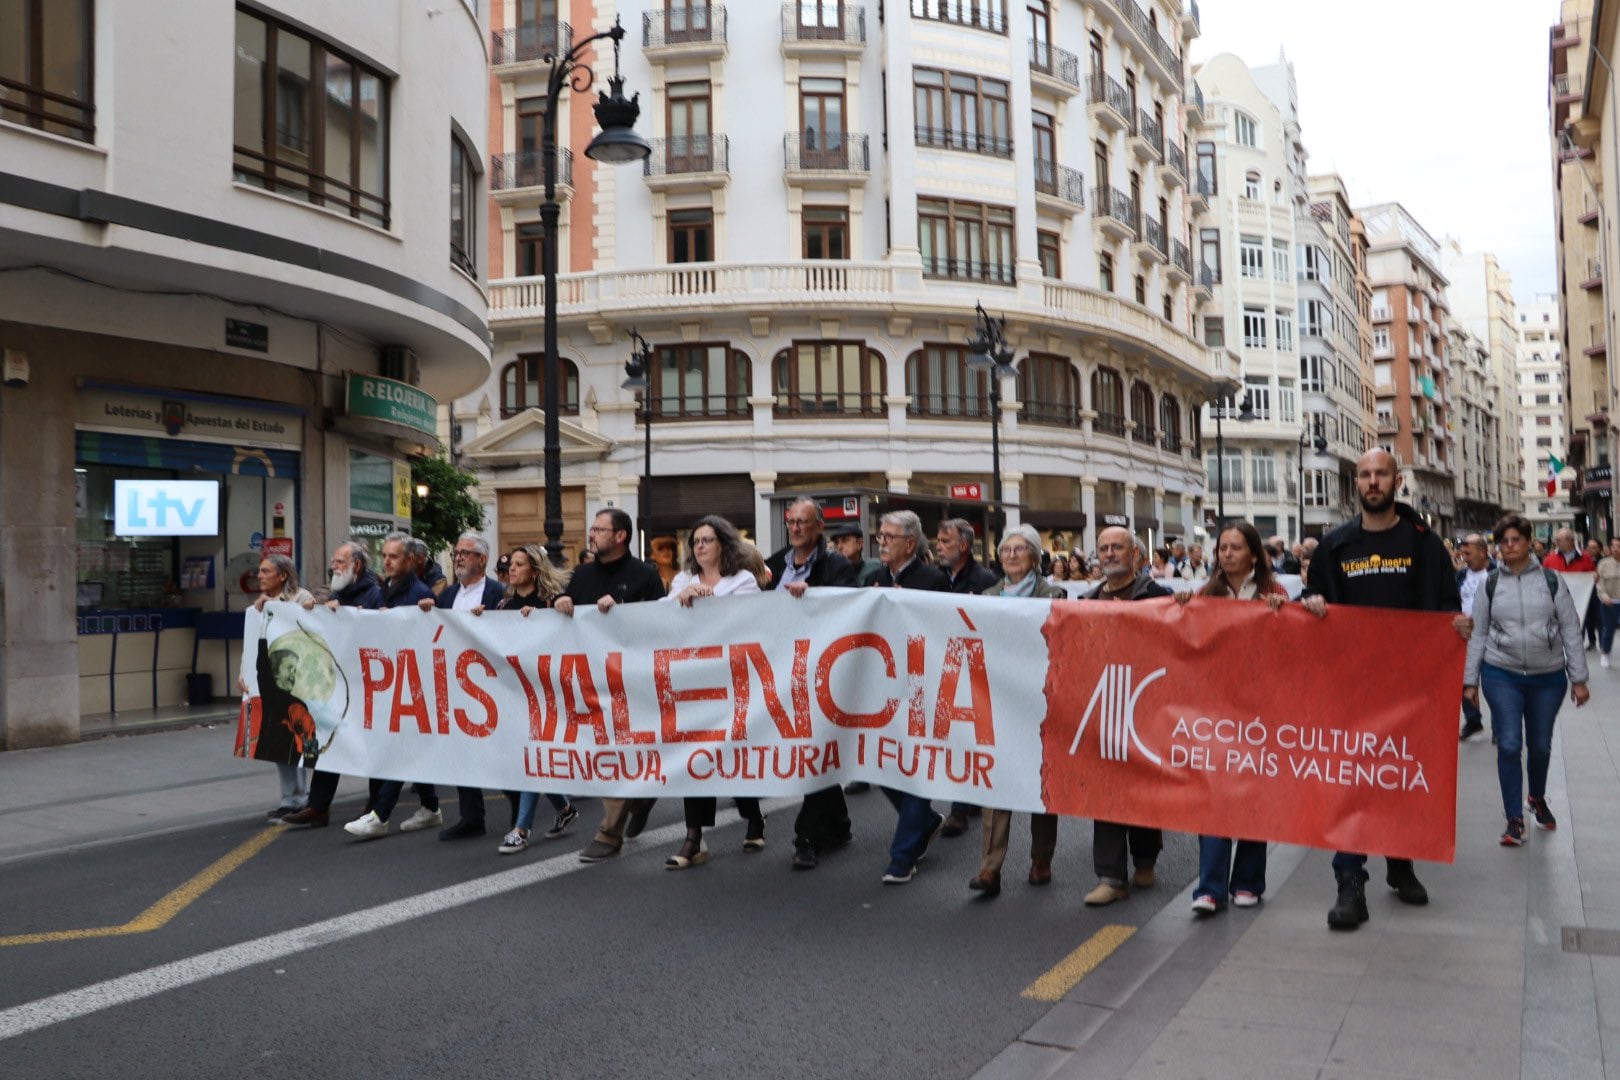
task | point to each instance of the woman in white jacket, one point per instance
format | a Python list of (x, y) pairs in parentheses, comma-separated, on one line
[(1526, 649), (716, 565)]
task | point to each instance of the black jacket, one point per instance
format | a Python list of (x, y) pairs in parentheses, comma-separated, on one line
[(1436, 579), (1143, 588), (829, 568), (917, 575), (628, 580), (493, 591), (974, 578), (367, 592)]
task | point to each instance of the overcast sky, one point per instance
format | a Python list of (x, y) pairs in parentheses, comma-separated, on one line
[(1440, 105)]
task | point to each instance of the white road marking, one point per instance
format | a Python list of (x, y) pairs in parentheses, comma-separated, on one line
[(74, 1004)]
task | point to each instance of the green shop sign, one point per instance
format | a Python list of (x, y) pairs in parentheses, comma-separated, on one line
[(372, 397)]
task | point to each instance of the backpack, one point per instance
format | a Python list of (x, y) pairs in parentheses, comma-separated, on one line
[(1551, 577)]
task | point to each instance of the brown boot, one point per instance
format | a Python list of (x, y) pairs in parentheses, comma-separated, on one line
[(1144, 876), (1040, 871)]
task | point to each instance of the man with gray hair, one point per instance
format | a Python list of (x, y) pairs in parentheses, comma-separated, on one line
[(900, 545), (1122, 557), (473, 589)]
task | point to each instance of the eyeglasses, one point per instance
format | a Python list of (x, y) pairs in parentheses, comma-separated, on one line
[(705, 540), (890, 537), (1014, 549), (460, 554), (601, 529)]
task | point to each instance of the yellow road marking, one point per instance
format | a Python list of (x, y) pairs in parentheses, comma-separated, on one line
[(168, 907), (1077, 965)]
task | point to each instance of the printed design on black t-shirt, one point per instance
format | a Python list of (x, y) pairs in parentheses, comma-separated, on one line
[(1375, 564)]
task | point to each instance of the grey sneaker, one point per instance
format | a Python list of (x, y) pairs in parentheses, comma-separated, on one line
[(422, 819)]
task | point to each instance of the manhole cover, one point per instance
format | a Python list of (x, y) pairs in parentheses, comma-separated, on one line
[(1592, 942)]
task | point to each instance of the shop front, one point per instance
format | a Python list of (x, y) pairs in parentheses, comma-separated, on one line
[(177, 496)]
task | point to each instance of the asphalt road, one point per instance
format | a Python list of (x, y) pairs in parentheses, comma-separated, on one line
[(739, 968)]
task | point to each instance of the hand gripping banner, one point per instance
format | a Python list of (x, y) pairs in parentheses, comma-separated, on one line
[(1223, 717)]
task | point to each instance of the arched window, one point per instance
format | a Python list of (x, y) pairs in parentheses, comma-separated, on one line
[(523, 386), (816, 378), (1108, 401), (1049, 388), (1251, 185), (940, 383), (1170, 424), (1142, 412), (698, 382)]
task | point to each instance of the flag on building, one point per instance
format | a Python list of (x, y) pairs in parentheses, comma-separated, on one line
[(1554, 467)]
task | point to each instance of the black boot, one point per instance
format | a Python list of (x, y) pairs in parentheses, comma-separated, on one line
[(1350, 910), (1404, 881)]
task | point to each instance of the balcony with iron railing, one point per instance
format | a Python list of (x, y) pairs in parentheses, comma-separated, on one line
[(1060, 183), (1175, 164), (1201, 191), (525, 171), (1057, 69), (530, 43), (694, 156), (1594, 275), (685, 30), (826, 152), (1109, 104), (1153, 245), (823, 27), (972, 142), (1193, 99), (1147, 33), (1208, 278), (1147, 137), (1181, 261), (1115, 212)]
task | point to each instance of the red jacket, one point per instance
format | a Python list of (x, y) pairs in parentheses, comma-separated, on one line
[(1581, 563)]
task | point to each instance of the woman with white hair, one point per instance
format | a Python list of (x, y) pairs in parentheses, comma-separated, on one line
[(278, 580), (1020, 554)]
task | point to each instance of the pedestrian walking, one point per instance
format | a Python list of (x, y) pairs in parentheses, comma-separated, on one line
[(1385, 557), (716, 565), (1476, 565), (1020, 555), (612, 576), (1607, 591), (808, 562), (1242, 572), (532, 582), (1524, 653), (278, 580), (1123, 562)]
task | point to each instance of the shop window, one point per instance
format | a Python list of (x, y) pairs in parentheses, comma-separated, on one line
[(816, 378), (523, 385)]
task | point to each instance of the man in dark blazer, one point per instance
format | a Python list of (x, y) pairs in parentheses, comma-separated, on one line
[(902, 545), (473, 588), (808, 562)]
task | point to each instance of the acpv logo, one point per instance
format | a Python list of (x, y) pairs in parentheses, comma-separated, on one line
[(166, 507), (1114, 704)]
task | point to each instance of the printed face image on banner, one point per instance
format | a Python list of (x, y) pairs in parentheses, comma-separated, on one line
[(297, 693)]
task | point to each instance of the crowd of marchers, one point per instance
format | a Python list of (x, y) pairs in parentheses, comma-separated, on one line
[(1509, 601)]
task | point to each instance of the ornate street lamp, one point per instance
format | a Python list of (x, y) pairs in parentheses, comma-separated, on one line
[(1319, 444), (616, 143), (639, 382), (988, 351), (1245, 413)]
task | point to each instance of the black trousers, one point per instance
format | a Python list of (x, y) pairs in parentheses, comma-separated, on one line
[(823, 819), (700, 812), (471, 800), (1109, 844)]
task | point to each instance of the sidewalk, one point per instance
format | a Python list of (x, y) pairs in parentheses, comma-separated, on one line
[(1511, 971)]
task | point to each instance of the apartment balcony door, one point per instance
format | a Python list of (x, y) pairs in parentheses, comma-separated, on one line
[(821, 110), (686, 20), (689, 147)]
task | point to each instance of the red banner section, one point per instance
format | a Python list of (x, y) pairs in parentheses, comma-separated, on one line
[(1229, 719)]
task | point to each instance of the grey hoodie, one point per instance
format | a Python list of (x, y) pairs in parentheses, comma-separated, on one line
[(1523, 630)]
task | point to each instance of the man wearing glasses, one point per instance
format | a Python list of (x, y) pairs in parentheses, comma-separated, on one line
[(901, 545), (612, 577), (472, 589), (808, 562)]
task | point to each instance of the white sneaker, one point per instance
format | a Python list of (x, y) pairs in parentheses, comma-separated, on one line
[(367, 826), (1603, 661), (515, 841), (422, 819)]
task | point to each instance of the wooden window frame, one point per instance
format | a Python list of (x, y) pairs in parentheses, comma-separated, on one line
[(1044, 380), (675, 228), (957, 213), (794, 400), (969, 399), (808, 226), (40, 108), (737, 383), (515, 379), (992, 134), (1049, 243), (463, 254), (1108, 421)]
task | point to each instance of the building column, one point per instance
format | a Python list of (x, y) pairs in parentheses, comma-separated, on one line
[(764, 488), (1088, 506), (1012, 485)]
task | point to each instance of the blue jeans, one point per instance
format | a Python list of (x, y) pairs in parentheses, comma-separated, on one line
[(1608, 619), (1219, 873), (1523, 708), (912, 830), (528, 801)]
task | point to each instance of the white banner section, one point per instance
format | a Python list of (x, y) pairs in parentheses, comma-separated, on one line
[(935, 694)]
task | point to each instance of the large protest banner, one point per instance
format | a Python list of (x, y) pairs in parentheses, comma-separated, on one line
[(1223, 717)]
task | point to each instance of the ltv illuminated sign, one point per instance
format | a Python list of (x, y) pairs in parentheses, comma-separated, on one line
[(166, 507)]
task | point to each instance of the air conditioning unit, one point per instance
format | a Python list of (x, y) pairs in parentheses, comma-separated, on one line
[(399, 363)]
